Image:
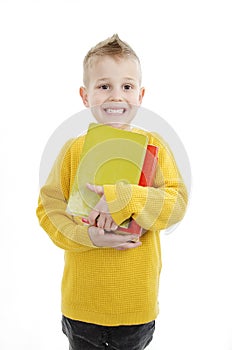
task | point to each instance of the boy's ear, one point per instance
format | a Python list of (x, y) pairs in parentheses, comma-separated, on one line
[(84, 96), (141, 94)]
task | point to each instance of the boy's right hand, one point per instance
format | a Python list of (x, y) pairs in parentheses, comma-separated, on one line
[(100, 238)]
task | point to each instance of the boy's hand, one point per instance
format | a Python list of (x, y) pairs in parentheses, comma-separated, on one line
[(120, 242), (100, 214)]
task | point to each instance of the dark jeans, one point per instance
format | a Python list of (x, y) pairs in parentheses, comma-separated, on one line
[(87, 336)]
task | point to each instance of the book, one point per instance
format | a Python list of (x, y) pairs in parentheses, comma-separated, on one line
[(146, 179), (147, 176), (109, 156)]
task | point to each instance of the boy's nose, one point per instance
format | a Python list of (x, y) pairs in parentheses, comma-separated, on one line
[(116, 99), (116, 95)]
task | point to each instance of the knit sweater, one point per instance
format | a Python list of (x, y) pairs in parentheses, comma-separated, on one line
[(103, 285)]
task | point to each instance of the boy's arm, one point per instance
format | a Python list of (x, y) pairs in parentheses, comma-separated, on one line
[(65, 231), (61, 227), (156, 207)]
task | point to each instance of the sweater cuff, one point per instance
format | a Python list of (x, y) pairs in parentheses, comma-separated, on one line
[(124, 200)]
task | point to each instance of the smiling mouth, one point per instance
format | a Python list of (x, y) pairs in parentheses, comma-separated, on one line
[(117, 111)]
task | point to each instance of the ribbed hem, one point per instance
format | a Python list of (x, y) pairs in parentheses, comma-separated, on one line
[(123, 319), (118, 198), (83, 237)]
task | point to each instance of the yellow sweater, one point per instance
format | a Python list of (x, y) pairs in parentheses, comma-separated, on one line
[(103, 285)]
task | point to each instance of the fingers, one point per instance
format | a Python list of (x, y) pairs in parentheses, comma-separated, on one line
[(102, 239), (120, 240), (114, 226), (94, 188), (100, 211), (106, 222), (102, 221), (128, 245), (93, 216)]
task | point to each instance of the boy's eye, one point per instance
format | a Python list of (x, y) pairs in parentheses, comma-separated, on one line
[(127, 87), (104, 87)]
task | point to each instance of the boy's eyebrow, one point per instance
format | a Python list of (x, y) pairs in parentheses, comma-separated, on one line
[(103, 79), (129, 79), (125, 78)]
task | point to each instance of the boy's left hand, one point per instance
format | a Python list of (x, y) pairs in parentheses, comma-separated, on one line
[(100, 214)]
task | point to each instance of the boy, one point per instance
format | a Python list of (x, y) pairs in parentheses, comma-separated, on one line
[(110, 282)]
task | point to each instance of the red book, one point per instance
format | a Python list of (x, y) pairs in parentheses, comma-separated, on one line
[(146, 179)]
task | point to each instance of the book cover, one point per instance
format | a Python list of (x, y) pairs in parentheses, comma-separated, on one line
[(109, 156)]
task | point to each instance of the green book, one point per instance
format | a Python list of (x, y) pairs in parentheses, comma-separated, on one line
[(109, 156)]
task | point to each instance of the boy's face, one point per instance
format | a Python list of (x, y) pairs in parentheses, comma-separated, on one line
[(113, 91)]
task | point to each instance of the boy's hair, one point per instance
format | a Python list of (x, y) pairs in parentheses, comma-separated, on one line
[(113, 46)]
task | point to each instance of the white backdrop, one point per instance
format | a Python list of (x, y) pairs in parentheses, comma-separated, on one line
[(185, 50)]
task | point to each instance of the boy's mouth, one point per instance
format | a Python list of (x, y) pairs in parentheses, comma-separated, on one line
[(117, 111)]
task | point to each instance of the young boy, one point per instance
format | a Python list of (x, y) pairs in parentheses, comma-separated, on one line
[(110, 281)]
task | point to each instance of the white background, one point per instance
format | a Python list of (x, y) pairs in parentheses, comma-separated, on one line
[(185, 50)]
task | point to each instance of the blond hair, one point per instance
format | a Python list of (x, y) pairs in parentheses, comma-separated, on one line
[(112, 46)]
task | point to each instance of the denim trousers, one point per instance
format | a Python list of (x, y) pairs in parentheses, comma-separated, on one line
[(88, 336)]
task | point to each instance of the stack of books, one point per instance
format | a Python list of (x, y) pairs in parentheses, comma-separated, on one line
[(110, 156)]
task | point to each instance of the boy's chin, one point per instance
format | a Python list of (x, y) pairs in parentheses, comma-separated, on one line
[(116, 122), (118, 125)]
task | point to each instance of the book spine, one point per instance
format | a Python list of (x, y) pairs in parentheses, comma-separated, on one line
[(146, 179)]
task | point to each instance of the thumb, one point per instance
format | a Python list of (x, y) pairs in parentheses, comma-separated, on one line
[(100, 231), (96, 230), (94, 188)]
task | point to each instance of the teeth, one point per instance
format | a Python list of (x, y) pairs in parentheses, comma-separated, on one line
[(115, 111)]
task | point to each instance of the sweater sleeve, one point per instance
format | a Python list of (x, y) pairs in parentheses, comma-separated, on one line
[(153, 208), (65, 231)]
